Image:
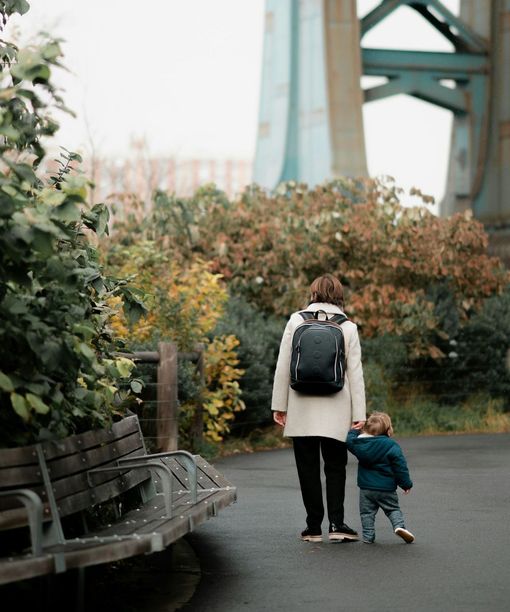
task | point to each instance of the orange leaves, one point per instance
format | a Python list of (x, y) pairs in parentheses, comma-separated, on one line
[(435, 352), (270, 247)]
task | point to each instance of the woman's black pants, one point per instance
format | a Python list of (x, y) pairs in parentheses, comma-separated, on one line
[(307, 450)]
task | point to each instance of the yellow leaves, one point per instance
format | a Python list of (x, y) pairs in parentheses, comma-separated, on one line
[(124, 366), (222, 397), (185, 302)]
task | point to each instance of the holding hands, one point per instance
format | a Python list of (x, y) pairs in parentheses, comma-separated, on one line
[(280, 417)]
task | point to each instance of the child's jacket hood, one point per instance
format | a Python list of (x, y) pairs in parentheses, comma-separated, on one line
[(382, 465)]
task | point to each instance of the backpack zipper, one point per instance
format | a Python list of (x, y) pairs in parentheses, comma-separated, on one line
[(298, 350), (336, 360)]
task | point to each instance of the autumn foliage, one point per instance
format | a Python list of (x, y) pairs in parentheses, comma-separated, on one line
[(184, 304), (393, 260)]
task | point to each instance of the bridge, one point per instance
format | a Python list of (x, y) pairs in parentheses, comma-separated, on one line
[(311, 126)]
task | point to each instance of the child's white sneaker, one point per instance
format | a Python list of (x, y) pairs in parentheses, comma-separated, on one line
[(407, 536)]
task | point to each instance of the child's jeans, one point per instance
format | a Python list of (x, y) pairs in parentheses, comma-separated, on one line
[(370, 502)]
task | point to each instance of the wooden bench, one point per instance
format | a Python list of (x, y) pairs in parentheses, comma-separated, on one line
[(47, 492)]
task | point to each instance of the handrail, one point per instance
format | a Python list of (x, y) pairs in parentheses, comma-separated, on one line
[(189, 460), (34, 507), (165, 476)]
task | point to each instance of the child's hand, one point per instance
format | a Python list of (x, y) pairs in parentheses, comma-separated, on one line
[(358, 424), (406, 491)]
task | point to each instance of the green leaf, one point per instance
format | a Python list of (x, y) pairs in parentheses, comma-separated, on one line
[(86, 351), (98, 219), (133, 307), (6, 383), (8, 131), (76, 186), (51, 51), (68, 212), (136, 386), (40, 388), (51, 355), (43, 242), (85, 331), (30, 67), (14, 304), (23, 171), (52, 197), (37, 404), (20, 406), (7, 206), (17, 6), (124, 366)]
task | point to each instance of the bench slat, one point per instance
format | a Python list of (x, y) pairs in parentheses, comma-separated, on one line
[(24, 477), (90, 439), (21, 568), (212, 473), (16, 457), (62, 467), (65, 487)]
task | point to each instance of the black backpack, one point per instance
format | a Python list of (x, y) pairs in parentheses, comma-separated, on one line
[(317, 364)]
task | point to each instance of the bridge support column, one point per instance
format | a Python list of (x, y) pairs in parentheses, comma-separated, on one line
[(310, 117)]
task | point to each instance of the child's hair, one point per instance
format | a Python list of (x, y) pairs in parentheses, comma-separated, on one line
[(378, 424)]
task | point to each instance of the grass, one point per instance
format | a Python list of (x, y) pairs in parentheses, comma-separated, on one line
[(410, 418), (477, 415)]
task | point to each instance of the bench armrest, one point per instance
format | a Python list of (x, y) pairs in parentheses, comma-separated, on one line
[(34, 507), (188, 459), (164, 471)]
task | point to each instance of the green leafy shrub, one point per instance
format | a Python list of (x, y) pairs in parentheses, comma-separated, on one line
[(478, 356), (57, 370), (259, 338)]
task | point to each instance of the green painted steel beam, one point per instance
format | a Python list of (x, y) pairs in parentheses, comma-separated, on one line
[(450, 26), (389, 62), (421, 86), (380, 12)]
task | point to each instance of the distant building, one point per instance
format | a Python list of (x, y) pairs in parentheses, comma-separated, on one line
[(140, 177)]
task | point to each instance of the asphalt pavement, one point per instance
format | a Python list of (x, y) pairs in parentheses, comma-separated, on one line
[(252, 559)]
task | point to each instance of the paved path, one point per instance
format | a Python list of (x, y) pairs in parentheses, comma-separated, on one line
[(252, 559)]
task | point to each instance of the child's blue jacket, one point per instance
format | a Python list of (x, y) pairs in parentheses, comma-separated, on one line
[(382, 465)]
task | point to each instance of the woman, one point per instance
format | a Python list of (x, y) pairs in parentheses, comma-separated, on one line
[(320, 423)]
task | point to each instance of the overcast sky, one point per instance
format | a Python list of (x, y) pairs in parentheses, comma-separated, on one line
[(184, 75)]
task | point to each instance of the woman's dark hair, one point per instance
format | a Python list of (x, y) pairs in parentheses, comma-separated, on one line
[(327, 288)]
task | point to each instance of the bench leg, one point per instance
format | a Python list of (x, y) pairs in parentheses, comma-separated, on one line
[(66, 592), (80, 590)]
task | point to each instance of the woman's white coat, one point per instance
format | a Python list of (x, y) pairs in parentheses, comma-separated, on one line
[(328, 415)]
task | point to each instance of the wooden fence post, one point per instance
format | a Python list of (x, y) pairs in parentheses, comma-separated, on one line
[(197, 424), (167, 415)]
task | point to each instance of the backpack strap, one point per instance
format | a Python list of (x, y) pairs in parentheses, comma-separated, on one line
[(339, 318), (307, 315)]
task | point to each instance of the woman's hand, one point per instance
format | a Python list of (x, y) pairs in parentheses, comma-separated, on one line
[(280, 417)]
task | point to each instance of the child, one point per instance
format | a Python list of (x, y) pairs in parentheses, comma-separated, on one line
[(382, 466)]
